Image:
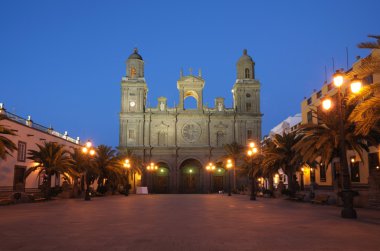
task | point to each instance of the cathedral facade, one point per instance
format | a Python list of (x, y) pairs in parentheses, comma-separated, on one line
[(181, 142)]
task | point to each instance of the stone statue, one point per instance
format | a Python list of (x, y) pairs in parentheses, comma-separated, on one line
[(162, 106), (220, 107)]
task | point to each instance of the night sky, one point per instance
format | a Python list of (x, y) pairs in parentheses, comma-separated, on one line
[(62, 61)]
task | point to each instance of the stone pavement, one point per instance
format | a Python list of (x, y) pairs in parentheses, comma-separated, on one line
[(184, 222)]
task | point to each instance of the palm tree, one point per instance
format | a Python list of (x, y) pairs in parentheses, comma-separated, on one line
[(51, 159), (322, 140), (269, 166), (366, 114), (252, 168), (110, 172), (370, 45), (79, 162), (6, 145), (235, 152), (135, 162), (282, 155)]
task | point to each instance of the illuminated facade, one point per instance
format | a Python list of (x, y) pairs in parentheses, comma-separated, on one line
[(28, 135), (182, 141), (364, 173)]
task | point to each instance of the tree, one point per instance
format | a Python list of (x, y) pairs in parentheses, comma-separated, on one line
[(269, 166), (79, 163), (110, 173), (252, 168), (6, 145), (51, 159), (135, 165), (282, 155), (235, 152), (322, 140), (366, 114)]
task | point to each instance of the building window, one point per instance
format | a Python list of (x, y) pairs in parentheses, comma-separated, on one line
[(309, 101), (131, 134), (247, 75), (248, 107), (319, 94), (309, 117), (219, 138), (368, 79), (355, 174), (249, 134), (329, 87), (248, 95), (322, 173), (21, 151)]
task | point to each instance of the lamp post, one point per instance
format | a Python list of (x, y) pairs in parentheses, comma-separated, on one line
[(127, 166), (210, 168), (151, 168), (252, 150), (347, 194), (229, 166), (89, 152)]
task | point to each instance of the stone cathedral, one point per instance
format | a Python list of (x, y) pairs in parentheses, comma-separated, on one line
[(181, 142)]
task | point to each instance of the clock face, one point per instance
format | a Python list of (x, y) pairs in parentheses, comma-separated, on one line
[(132, 104)]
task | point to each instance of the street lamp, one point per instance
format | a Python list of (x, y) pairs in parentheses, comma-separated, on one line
[(210, 168), (229, 166), (127, 166), (252, 150), (347, 194), (151, 168), (89, 152)]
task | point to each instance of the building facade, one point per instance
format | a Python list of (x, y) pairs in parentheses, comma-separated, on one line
[(27, 135), (183, 141), (364, 173)]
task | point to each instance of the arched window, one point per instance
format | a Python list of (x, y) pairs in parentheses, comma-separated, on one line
[(247, 75)]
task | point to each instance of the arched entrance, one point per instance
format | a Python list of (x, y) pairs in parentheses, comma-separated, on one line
[(190, 178), (218, 177), (161, 180)]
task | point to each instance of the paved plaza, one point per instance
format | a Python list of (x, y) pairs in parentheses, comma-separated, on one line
[(184, 222)]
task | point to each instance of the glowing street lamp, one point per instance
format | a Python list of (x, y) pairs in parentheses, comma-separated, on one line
[(229, 166), (151, 168), (210, 168), (252, 150), (88, 150), (347, 194), (127, 166)]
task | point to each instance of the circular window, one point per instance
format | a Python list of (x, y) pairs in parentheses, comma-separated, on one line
[(248, 95)]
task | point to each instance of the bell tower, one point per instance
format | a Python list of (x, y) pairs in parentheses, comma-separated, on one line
[(246, 96), (246, 91), (133, 101)]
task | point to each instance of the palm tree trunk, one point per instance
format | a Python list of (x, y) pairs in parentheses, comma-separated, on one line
[(290, 182), (48, 187)]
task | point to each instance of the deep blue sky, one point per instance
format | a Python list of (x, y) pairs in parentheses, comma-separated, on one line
[(62, 61)]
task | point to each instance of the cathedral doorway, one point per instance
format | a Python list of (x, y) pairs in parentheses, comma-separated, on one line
[(219, 179), (161, 181), (190, 178)]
